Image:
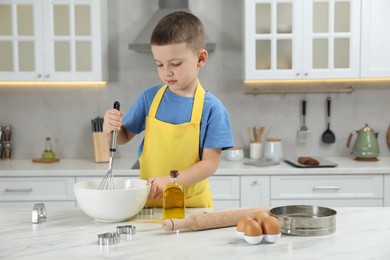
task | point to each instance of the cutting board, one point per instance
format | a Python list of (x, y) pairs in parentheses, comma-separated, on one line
[(293, 160), (261, 163), (388, 136), (41, 160)]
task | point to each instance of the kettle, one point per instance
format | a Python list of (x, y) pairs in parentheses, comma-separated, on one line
[(366, 147)]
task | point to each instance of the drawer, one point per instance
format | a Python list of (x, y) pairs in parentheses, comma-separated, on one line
[(36, 189), (331, 202), (255, 191), (327, 187), (225, 187), (30, 204), (226, 204)]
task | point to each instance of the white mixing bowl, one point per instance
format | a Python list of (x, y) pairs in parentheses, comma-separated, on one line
[(125, 201)]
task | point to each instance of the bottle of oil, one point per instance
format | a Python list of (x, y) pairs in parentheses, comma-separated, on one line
[(48, 152), (173, 198)]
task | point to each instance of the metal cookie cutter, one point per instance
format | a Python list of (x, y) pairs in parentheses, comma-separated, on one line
[(128, 230), (38, 213), (109, 238), (146, 212)]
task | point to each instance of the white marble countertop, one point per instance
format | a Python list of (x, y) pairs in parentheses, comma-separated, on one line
[(122, 167), (361, 233)]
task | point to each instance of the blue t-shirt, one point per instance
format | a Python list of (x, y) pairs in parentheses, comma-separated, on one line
[(215, 128)]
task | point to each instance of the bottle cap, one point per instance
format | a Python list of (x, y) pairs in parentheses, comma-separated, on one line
[(174, 173)]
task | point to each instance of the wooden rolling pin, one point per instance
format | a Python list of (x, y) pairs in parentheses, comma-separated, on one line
[(209, 220)]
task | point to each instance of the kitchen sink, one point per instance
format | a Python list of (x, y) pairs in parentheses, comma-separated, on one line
[(135, 165)]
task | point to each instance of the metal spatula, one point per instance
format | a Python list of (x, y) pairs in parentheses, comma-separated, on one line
[(304, 132)]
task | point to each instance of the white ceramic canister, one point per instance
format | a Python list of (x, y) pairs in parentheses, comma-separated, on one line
[(255, 150), (273, 149)]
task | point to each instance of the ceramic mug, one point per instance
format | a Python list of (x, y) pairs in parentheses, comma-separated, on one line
[(273, 149)]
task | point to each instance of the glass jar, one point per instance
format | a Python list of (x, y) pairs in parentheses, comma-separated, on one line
[(7, 150), (6, 133)]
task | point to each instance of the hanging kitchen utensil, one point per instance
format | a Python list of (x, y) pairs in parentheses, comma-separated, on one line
[(328, 136), (108, 182), (388, 136), (304, 132)]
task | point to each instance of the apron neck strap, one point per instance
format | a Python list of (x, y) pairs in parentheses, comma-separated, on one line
[(197, 107)]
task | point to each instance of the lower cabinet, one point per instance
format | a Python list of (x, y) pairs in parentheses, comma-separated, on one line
[(255, 191), (226, 191), (328, 190), (240, 191), (25, 192), (386, 186)]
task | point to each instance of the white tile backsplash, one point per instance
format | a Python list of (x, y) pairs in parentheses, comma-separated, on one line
[(64, 113)]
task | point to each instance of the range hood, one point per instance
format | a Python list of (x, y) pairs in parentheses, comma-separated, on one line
[(142, 41)]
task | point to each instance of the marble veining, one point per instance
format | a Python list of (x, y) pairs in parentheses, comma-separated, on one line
[(362, 233)]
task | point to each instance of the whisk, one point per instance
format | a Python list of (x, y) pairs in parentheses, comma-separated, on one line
[(108, 182)]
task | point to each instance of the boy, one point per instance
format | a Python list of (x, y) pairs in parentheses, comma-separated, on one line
[(185, 127)]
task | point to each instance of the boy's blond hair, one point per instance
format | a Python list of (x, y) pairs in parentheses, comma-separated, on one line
[(179, 27)]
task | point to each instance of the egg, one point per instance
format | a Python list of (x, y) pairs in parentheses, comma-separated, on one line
[(271, 226), (253, 233), (260, 216), (241, 223), (252, 228), (240, 226)]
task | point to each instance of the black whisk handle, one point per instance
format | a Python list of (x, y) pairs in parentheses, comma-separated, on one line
[(117, 105)]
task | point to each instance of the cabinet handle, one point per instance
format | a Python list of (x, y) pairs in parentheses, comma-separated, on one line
[(19, 190), (297, 74), (39, 76), (47, 76), (326, 187), (254, 183), (306, 74)]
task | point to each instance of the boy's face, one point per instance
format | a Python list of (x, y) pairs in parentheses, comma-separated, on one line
[(178, 66)]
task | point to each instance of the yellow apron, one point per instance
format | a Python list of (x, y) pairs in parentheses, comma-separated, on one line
[(174, 147)]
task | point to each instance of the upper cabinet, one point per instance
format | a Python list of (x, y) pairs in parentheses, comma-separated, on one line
[(53, 40), (302, 39), (375, 39)]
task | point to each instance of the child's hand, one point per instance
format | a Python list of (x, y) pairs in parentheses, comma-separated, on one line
[(112, 121), (158, 186)]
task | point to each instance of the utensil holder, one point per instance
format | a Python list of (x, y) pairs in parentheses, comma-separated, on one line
[(100, 147)]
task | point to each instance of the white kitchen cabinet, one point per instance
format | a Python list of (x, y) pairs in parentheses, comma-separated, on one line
[(255, 191), (57, 191), (296, 39), (225, 191), (386, 186), (326, 190), (375, 51), (47, 40)]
